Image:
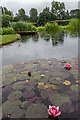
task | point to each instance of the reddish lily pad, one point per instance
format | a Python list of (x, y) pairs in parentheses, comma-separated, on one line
[(67, 107)]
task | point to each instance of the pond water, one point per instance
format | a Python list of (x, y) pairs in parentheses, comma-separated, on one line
[(62, 45)]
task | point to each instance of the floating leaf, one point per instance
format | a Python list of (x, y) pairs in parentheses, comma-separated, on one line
[(27, 80), (49, 86), (59, 99), (66, 82), (42, 75), (74, 87), (15, 95), (37, 111), (40, 83)]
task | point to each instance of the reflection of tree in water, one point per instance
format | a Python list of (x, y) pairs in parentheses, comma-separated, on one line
[(45, 36), (35, 37), (57, 38), (25, 38)]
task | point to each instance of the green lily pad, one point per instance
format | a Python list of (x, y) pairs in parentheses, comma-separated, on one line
[(19, 85), (59, 99), (74, 87), (10, 106), (37, 111), (18, 113), (15, 95)]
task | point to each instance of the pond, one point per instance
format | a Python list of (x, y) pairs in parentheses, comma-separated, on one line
[(61, 45), (49, 83)]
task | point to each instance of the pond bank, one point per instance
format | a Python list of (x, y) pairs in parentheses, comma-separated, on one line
[(6, 39), (49, 84)]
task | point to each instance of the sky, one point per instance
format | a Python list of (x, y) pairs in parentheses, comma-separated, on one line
[(15, 5)]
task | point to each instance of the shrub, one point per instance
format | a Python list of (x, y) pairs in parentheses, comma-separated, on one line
[(0, 31), (51, 26), (40, 29), (74, 25), (8, 30), (23, 26)]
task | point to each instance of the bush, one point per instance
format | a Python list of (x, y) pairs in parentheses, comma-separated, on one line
[(74, 25), (51, 26), (40, 29), (8, 30), (23, 26), (0, 31)]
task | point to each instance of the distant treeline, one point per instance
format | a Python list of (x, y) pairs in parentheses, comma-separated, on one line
[(57, 12)]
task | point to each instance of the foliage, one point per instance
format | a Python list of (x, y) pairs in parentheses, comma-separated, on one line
[(23, 26), (58, 9), (45, 16), (40, 29), (6, 20), (9, 38), (75, 13), (4, 10), (74, 25), (62, 22), (33, 15), (51, 26), (21, 15), (8, 30)]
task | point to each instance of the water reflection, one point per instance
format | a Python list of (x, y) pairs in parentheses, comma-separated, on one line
[(56, 38), (41, 46)]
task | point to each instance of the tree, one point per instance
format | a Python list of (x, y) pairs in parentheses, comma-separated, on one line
[(67, 15), (21, 14), (58, 9), (33, 15), (75, 13), (45, 16), (4, 11), (6, 20)]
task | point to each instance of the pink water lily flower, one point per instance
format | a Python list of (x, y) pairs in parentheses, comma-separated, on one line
[(67, 66), (54, 111)]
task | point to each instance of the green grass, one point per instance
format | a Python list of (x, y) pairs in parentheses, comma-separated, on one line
[(4, 39)]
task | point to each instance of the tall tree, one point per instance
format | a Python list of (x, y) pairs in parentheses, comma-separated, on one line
[(4, 10), (6, 20), (75, 13), (21, 14), (58, 9), (45, 16), (33, 15)]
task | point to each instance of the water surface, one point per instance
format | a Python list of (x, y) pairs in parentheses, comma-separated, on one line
[(62, 45)]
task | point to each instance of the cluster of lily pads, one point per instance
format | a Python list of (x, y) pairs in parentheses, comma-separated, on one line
[(27, 91)]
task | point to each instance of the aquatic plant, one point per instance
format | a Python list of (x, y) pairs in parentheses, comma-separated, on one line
[(54, 111), (67, 67)]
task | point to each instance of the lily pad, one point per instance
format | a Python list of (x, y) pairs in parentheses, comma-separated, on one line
[(18, 113), (28, 94), (19, 85), (9, 107), (15, 95), (37, 111), (67, 107), (74, 87), (46, 92), (59, 99)]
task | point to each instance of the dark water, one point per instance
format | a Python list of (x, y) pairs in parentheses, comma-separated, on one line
[(61, 45)]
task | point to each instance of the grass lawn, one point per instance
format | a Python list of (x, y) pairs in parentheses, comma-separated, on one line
[(8, 38)]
